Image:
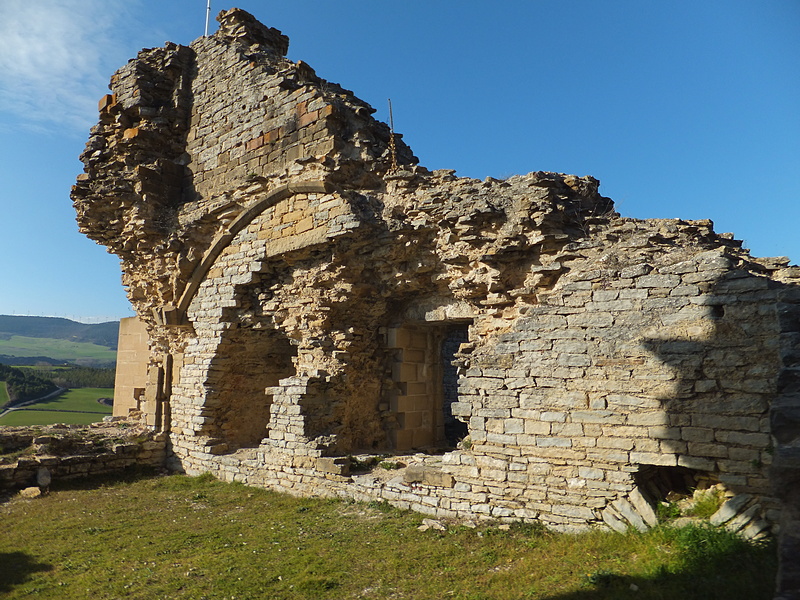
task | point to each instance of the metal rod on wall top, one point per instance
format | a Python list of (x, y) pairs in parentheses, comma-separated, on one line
[(392, 147), (208, 12)]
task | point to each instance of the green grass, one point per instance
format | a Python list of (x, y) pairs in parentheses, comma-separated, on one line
[(3, 393), (77, 352), (79, 399), (707, 504), (194, 538), (47, 411)]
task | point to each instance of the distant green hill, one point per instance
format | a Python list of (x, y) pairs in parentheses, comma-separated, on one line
[(55, 341), (100, 334)]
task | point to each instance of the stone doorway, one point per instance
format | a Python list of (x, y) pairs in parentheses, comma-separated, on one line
[(426, 385)]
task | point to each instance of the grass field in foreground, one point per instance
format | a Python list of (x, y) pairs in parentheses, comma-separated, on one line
[(79, 399), (65, 350), (194, 538)]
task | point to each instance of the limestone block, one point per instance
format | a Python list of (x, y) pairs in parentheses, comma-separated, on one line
[(651, 458), (730, 509), (30, 492), (743, 518), (643, 507), (335, 466), (626, 510)]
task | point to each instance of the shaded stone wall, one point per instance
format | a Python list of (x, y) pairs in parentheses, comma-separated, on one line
[(297, 288)]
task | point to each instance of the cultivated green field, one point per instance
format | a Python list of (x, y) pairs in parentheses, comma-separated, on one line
[(183, 538), (48, 411), (77, 352)]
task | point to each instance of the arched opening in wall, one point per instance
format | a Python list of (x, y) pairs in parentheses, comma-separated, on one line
[(249, 360), (426, 384), (670, 484)]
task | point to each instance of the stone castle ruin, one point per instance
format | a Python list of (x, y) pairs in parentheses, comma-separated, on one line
[(307, 293)]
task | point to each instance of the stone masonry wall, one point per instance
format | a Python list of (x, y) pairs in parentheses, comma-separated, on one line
[(70, 452), (298, 280)]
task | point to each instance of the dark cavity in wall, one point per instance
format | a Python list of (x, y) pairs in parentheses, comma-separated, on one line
[(454, 335), (660, 483)]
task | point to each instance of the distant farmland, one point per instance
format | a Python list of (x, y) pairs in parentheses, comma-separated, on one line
[(78, 406)]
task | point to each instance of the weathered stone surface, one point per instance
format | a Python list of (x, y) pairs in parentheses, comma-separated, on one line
[(337, 466), (643, 507), (730, 509), (30, 492), (625, 509)]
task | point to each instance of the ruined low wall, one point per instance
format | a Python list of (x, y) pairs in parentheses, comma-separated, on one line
[(74, 452)]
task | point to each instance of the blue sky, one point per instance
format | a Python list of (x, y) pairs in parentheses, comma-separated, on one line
[(682, 109)]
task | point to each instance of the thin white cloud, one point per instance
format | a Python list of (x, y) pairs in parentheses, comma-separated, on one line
[(56, 57)]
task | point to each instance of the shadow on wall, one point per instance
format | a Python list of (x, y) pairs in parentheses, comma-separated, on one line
[(248, 361), (734, 369), (705, 566), (722, 353), (17, 568)]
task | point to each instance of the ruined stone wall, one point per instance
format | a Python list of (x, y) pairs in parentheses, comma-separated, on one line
[(299, 293), (71, 452)]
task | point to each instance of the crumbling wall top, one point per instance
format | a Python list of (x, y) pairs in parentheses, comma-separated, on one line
[(237, 24)]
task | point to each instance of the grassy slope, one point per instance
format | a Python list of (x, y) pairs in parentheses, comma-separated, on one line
[(179, 537), (3, 393), (81, 399), (55, 348)]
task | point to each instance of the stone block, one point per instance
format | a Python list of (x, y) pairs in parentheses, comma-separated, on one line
[(643, 507), (553, 416), (626, 510), (550, 442), (730, 509), (708, 450), (438, 478), (658, 281), (652, 458), (512, 426), (697, 463), (697, 434), (591, 473), (591, 320), (335, 466)]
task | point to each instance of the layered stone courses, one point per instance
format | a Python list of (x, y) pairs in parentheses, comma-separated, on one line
[(297, 290)]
